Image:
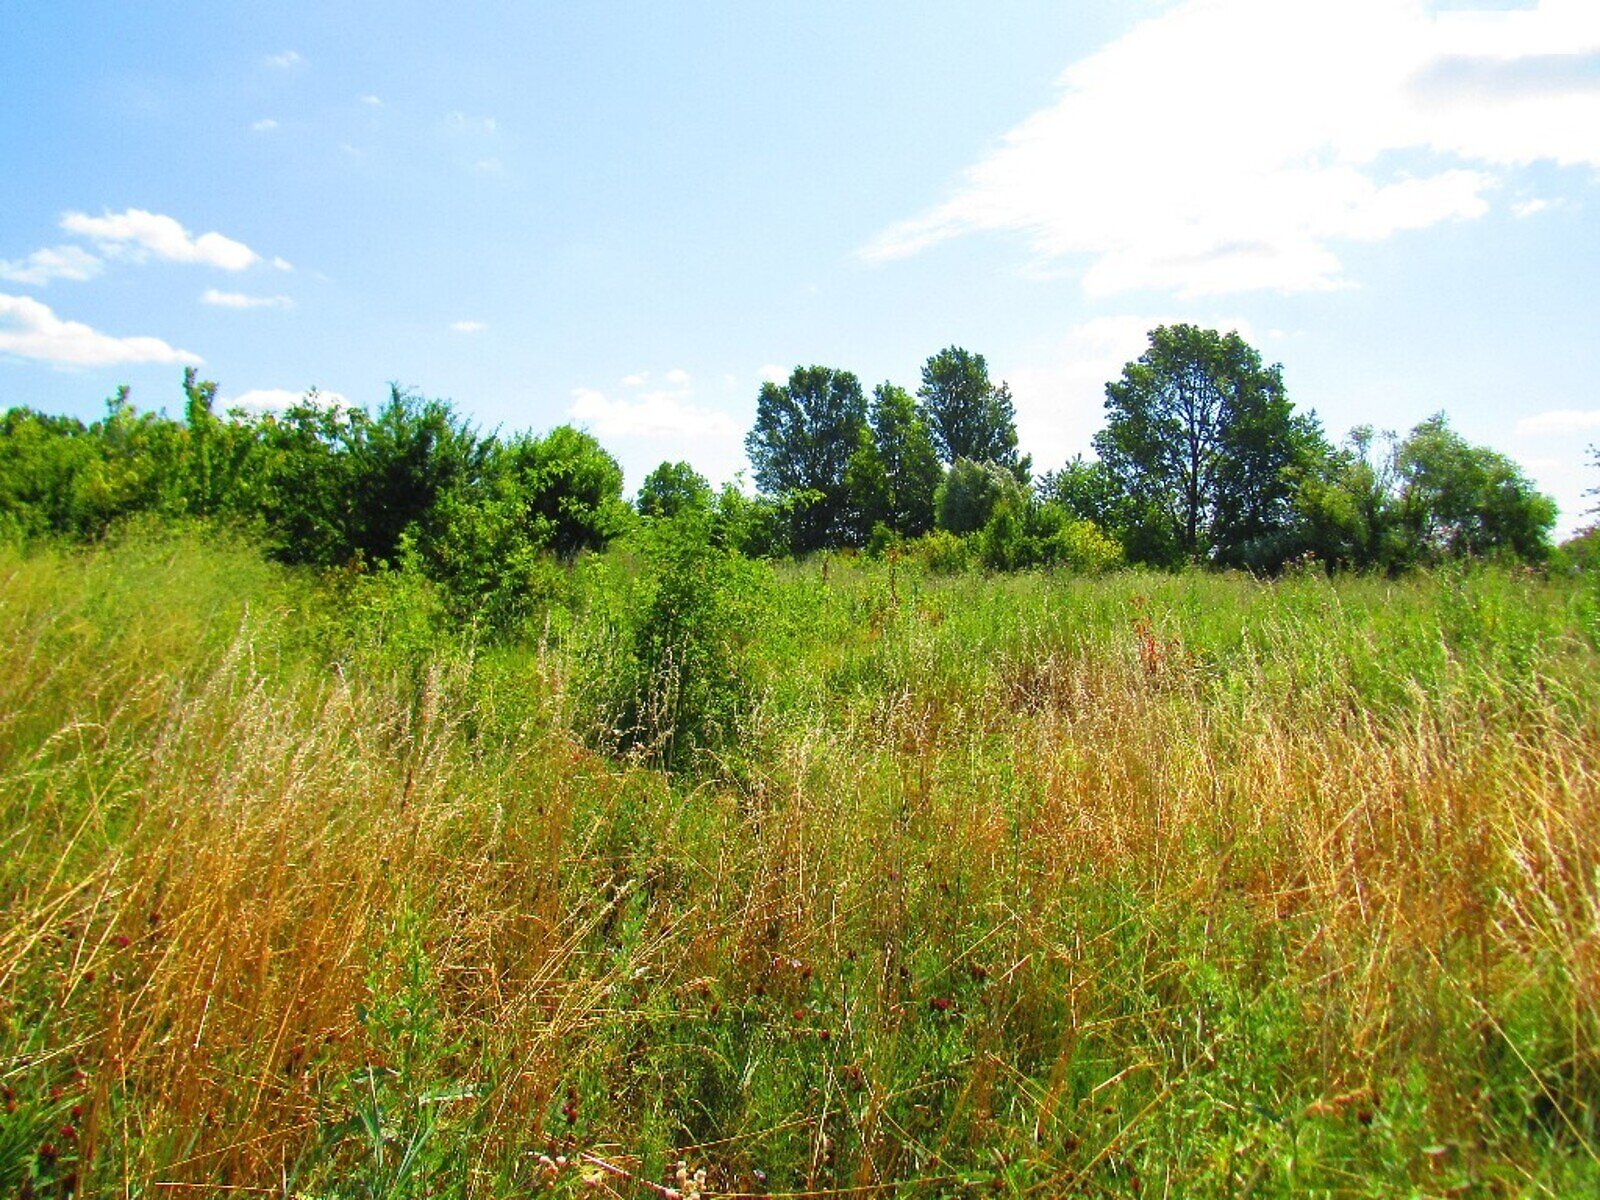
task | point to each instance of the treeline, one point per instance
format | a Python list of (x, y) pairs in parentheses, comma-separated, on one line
[(1203, 459)]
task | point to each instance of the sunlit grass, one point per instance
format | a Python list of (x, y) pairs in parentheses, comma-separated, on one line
[(1187, 885)]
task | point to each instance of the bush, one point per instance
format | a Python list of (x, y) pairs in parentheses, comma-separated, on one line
[(942, 553), (661, 669), (1082, 546)]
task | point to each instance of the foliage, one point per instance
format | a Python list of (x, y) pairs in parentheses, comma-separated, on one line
[(971, 492), (1201, 439), (663, 676), (1023, 884), (894, 473), (672, 489), (805, 433), (1459, 500), (968, 416)]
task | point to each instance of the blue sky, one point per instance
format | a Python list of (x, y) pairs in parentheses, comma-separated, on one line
[(627, 215)]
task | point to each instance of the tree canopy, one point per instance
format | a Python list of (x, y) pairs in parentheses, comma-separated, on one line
[(968, 416), (805, 434), (1200, 438)]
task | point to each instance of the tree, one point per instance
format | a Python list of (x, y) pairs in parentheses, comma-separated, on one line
[(1346, 504), (673, 488), (895, 470), (968, 416), (1457, 499), (805, 434), (973, 491), (1201, 439)]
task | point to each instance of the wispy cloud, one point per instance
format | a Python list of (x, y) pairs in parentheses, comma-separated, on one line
[(460, 122), (263, 400), (372, 101), (1231, 145), (468, 326), (285, 61), (219, 299), (265, 125), (53, 262), (136, 233), (772, 373), (650, 415), (1560, 422), (29, 329)]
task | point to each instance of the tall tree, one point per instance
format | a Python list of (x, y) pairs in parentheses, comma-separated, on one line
[(1201, 438), (673, 488), (1458, 499), (800, 449), (895, 471), (968, 416)]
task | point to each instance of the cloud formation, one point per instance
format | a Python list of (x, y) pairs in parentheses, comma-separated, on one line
[(1230, 145), (468, 326), (53, 262), (136, 233), (264, 400), (218, 299), (1560, 422), (29, 329)]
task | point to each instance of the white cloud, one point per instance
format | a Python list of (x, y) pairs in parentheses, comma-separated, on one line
[(372, 101), (772, 373), (489, 166), (53, 262), (262, 400), (678, 377), (240, 300), (468, 326), (29, 329), (658, 414), (1060, 403), (460, 122), (1560, 421), (136, 232), (637, 379), (1229, 145), (283, 264), (1531, 207), (285, 61), (265, 125)]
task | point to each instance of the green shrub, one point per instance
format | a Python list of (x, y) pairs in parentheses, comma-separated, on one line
[(661, 671), (942, 553)]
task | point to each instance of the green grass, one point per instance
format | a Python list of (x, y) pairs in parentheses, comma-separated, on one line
[(1141, 885)]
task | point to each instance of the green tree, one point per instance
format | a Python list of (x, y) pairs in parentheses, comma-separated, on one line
[(895, 470), (1201, 440), (673, 488), (1346, 504), (968, 416), (973, 491), (1457, 499), (805, 434)]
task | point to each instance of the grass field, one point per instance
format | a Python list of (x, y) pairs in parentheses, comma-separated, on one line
[(1147, 885)]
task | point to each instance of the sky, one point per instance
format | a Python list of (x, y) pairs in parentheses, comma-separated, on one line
[(628, 215)]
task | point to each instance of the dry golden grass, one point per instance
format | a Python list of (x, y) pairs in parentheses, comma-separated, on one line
[(1006, 891)]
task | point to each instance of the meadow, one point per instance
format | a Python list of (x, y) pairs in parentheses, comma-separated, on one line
[(843, 878)]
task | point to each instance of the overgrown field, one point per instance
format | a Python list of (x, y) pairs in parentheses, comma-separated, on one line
[(843, 880)]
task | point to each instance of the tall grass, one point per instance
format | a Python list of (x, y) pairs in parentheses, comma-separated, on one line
[(1142, 885)]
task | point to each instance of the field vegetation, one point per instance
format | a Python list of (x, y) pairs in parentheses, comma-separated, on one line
[(392, 809), (839, 878)]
